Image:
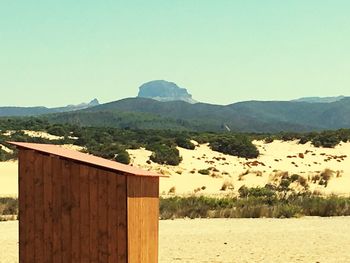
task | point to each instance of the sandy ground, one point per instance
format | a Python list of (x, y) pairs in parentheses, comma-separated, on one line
[(9, 178), (9, 242), (276, 157), (309, 239)]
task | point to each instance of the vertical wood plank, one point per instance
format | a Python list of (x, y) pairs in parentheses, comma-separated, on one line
[(29, 207), (144, 222), (66, 240), (48, 217), (84, 214), (93, 215), (102, 216), (122, 229), (38, 207), (156, 212), (143, 213), (22, 198), (75, 212), (112, 219), (134, 219), (56, 209)]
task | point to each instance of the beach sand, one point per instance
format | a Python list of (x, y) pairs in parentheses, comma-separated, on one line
[(309, 239), (256, 240)]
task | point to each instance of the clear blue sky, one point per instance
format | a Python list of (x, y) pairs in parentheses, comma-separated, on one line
[(60, 52)]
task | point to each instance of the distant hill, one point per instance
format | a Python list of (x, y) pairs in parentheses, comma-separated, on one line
[(251, 116), (320, 99), (163, 105), (34, 111), (162, 90)]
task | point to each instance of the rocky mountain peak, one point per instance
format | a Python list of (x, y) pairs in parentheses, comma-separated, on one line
[(162, 90)]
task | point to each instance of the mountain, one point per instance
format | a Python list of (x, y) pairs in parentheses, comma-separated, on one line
[(34, 111), (320, 99), (162, 90), (250, 116), (175, 113)]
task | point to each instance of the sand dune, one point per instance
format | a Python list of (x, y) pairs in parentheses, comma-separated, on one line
[(304, 160)]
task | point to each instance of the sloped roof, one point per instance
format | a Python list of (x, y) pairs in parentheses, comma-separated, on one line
[(85, 158)]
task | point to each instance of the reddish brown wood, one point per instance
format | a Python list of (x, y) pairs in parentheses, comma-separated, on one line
[(66, 241), (75, 211), (48, 217), (22, 185), (122, 219), (56, 209), (112, 216), (38, 208), (84, 213), (29, 207), (93, 215), (102, 216), (21, 200)]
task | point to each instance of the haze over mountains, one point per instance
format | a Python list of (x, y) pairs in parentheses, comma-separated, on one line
[(39, 110), (320, 99), (163, 105)]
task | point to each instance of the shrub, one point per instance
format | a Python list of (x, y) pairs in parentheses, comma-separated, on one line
[(204, 171), (327, 174), (294, 177), (164, 154), (8, 206), (6, 156), (302, 181), (269, 139), (172, 190), (227, 185), (326, 139), (184, 143), (57, 130), (287, 211), (123, 157), (238, 145)]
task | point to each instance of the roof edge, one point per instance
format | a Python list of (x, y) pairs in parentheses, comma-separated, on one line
[(137, 171)]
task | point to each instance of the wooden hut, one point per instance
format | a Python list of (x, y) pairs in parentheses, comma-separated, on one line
[(75, 207)]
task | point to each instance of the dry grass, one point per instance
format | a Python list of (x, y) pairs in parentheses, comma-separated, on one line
[(227, 185), (172, 190)]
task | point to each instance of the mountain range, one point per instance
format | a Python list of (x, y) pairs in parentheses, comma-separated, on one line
[(250, 116), (40, 110), (166, 106)]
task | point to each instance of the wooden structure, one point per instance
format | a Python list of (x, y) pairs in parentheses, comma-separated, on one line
[(75, 207)]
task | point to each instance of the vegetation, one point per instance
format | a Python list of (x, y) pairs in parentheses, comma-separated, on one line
[(112, 143), (326, 139), (184, 143), (252, 203), (237, 145), (260, 203), (8, 206), (164, 154), (204, 171)]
